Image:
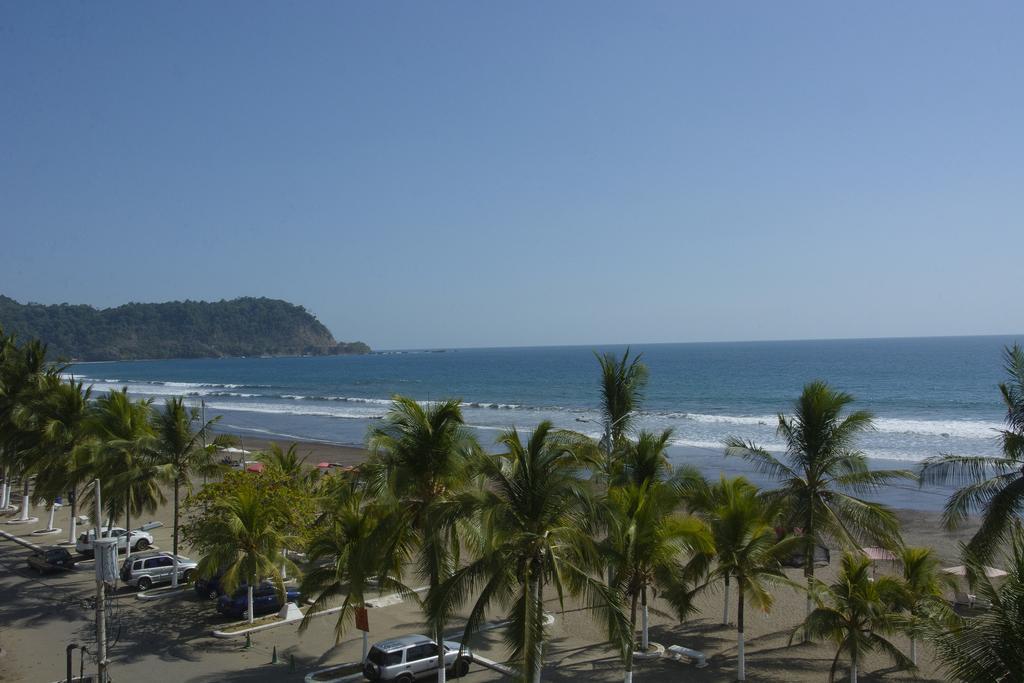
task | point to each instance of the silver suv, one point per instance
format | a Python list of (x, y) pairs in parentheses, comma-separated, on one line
[(149, 568), (410, 657)]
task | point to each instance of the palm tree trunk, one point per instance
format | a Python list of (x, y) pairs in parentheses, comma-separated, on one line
[(853, 670), (128, 533), (540, 607), (25, 502), (913, 650), (645, 637), (53, 511), (252, 612), (73, 522), (809, 576), (741, 667), (174, 536), (632, 639), (725, 603)]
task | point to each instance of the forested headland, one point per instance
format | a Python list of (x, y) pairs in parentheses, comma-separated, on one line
[(177, 329)]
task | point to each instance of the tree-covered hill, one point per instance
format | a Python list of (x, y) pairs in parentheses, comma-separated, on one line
[(176, 329)]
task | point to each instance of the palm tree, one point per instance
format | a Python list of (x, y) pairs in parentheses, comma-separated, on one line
[(536, 522), (747, 549), (622, 385), (243, 540), (125, 457), (348, 554), (61, 416), (820, 471), (922, 588), (646, 547), (422, 459), (987, 647), (184, 449), (22, 369), (646, 459), (993, 486), (287, 461), (856, 613)]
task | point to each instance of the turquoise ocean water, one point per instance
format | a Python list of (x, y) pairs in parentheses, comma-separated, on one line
[(929, 395)]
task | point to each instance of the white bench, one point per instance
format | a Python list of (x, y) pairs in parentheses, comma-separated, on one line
[(677, 652)]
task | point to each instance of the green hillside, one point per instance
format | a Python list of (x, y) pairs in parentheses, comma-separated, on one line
[(176, 329)]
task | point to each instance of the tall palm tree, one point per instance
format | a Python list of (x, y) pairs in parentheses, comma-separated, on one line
[(243, 540), (181, 445), (622, 385), (993, 486), (987, 646), (856, 613), (61, 416), (22, 370), (820, 472), (287, 461), (536, 521), (348, 554), (922, 588), (423, 459), (747, 550), (125, 457), (647, 546)]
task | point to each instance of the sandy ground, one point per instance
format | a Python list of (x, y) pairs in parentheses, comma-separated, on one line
[(170, 639)]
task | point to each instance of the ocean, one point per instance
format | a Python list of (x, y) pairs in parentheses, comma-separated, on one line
[(929, 395)]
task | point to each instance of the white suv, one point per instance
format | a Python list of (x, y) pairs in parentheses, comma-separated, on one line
[(149, 568), (140, 540)]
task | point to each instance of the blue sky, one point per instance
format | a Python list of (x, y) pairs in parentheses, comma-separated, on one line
[(485, 174)]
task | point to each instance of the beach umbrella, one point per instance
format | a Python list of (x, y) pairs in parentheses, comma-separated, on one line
[(876, 554), (323, 465), (961, 570), (254, 467)]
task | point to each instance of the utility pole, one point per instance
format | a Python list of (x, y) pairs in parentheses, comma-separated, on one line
[(101, 594)]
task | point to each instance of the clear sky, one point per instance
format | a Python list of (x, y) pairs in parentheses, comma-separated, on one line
[(425, 174)]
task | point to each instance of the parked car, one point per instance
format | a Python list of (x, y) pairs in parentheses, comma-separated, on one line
[(410, 657), (50, 560), (141, 540), (209, 588), (265, 600), (147, 569)]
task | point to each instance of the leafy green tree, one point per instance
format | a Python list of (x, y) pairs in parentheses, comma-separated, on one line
[(22, 368), (125, 456), (820, 472), (923, 586), (993, 486), (60, 414), (536, 523), (647, 546), (348, 554), (239, 528), (646, 459), (423, 458), (856, 613), (181, 445), (288, 462), (747, 550), (986, 646), (622, 386)]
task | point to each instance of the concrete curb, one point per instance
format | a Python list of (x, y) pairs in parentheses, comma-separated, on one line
[(164, 592), (20, 541), (340, 679), (658, 651), (255, 629)]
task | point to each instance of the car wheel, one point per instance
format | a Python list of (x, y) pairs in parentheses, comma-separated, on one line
[(461, 667), (212, 594), (188, 575), (144, 583), (404, 678), (142, 544)]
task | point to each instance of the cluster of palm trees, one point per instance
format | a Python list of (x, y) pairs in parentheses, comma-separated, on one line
[(55, 438), (553, 516)]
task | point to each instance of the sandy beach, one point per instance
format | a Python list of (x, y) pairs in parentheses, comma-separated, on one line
[(171, 638)]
